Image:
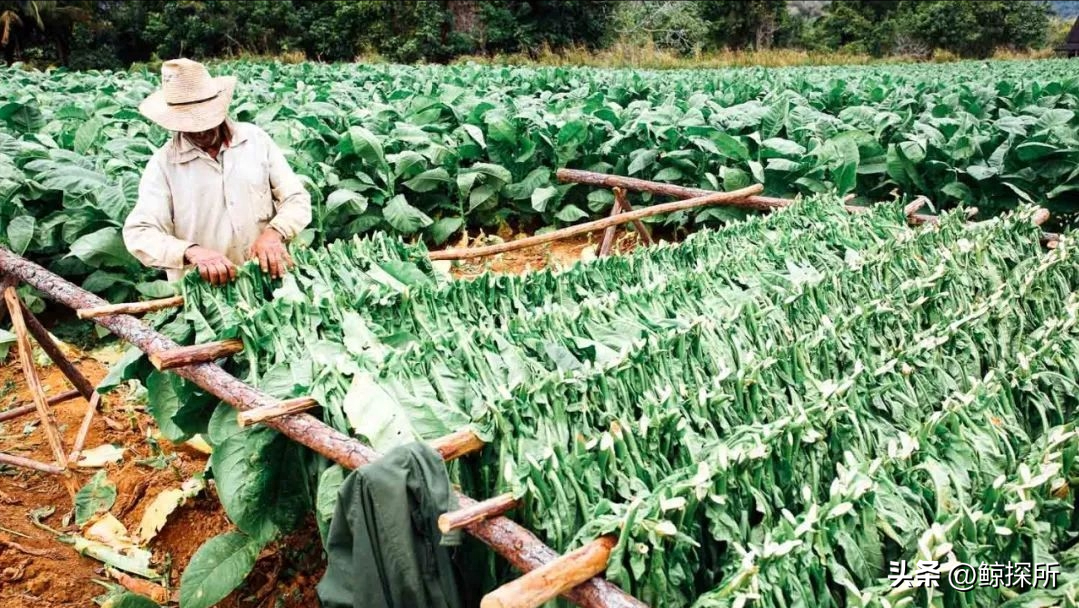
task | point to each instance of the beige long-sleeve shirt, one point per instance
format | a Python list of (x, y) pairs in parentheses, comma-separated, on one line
[(187, 198)]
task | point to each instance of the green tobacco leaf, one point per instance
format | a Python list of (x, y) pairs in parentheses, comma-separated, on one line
[(429, 180), (6, 340), (103, 248), (570, 214), (219, 566), (20, 231), (157, 289), (641, 160), (541, 196), (163, 403), (404, 217), (366, 145), (444, 228), (731, 147), (329, 482), (129, 600), (668, 174), (127, 368), (476, 134), (257, 472), (783, 147), (845, 177), (383, 421), (342, 197), (22, 117), (97, 496), (87, 134)]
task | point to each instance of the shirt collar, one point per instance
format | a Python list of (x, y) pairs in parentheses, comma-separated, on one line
[(181, 150)]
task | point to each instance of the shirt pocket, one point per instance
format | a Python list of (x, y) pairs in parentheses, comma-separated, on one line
[(261, 201)]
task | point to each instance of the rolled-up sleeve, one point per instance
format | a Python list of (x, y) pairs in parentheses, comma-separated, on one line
[(148, 230), (293, 212)]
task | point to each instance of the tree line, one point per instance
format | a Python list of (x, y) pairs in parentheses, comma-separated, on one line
[(86, 34)]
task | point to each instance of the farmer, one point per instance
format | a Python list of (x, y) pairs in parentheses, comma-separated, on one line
[(219, 192)]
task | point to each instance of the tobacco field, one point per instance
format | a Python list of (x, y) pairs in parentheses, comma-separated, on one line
[(765, 414), (425, 151)]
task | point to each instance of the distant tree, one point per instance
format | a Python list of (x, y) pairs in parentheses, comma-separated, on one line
[(513, 26), (743, 24), (668, 24), (974, 28), (41, 22), (866, 26)]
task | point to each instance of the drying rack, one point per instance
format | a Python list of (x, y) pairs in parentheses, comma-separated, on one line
[(577, 575)]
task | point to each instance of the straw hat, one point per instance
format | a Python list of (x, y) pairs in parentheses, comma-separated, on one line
[(190, 100)]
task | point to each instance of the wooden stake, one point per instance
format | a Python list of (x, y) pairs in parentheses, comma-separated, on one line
[(52, 349), (621, 204), (22, 410), (17, 412), (713, 198), (5, 282), (84, 428), (130, 308), (288, 406), (33, 383), (1040, 216), (457, 444), (547, 582), (26, 463), (608, 234), (448, 522), (915, 205), (65, 396), (197, 353), (518, 546)]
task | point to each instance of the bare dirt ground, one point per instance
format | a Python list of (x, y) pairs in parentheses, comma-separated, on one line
[(37, 569)]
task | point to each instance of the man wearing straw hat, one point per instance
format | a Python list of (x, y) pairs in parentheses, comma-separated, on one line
[(220, 192)]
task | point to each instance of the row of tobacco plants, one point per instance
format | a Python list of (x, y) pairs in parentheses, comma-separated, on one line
[(774, 412), (427, 151)]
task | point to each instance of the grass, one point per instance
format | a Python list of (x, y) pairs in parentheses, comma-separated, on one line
[(647, 56)]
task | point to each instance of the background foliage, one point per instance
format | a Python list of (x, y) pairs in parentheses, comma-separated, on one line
[(116, 33)]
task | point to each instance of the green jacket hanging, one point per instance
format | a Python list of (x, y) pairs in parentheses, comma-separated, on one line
[(385, 548)]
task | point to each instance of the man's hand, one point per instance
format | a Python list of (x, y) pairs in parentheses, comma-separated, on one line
[(269, 249), (213, 266)]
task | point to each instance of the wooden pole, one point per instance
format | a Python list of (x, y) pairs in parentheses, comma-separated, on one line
[(713, 198), (621, 204), (33, 383), (22, 410), (520, 547), (65, 396), (448, 522), (608, 234), (1041, 216), (17, 412), (457, 444), (606, 180), (130, 308), (52, 349), (182, 356), (5, 282), (914, 206), (760, 203), (84, 428), (544, 584), (283, 408), (26, 463)]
